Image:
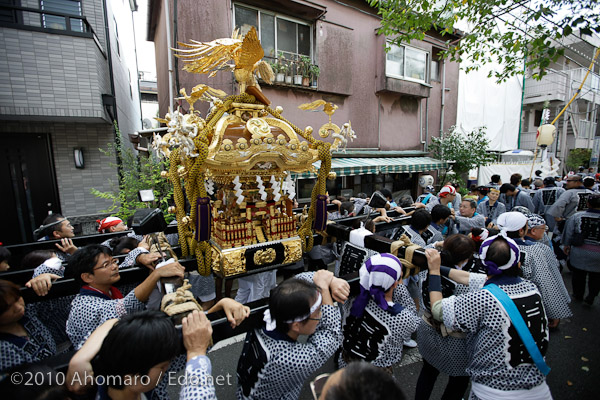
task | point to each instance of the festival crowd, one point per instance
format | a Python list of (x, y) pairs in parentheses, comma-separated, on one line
[(481, 311)]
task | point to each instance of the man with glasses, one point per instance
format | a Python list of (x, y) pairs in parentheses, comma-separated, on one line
[(537, 230), (571, 201), (96, 271)]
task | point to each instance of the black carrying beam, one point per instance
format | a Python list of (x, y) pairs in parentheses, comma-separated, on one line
[(19, 250), (221, 328)]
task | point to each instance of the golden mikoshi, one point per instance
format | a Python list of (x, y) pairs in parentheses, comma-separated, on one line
[(242, 156)]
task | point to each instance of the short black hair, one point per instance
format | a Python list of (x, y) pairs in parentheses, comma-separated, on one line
[(525, 182), (484, 190), (515, 178), (347, 208), (370, 225), (9, 292), (54, 227), (549, 181), (420, 219), (594, 201), (135, 344), (457, 248), (472, 203), (386, 193), (35, 258), (440, 212), (506, 187), (122, 243), (515, 234), (291, 299), (538, 172), (589, 182), (84, 260), (4, 254), (362, 380), (495, 178)]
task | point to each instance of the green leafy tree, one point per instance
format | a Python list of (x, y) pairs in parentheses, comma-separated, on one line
[(504, 31), (578, 158), (135, 173), (464, 151)]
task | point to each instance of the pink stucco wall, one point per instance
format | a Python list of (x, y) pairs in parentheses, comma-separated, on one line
[(352, 61)]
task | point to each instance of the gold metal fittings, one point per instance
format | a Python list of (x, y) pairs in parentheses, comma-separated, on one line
[(266, 256)]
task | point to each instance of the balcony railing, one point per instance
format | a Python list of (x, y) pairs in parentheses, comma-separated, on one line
[(17, 17), (551, 87), (554, 86), (591, 86)]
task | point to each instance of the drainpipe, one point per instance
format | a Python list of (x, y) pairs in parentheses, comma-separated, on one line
[(421, 121), (443, 98), (425, 146), (378, 122), (522, 100), (175, 15), (169, 53), (112, 89), (137, 69)]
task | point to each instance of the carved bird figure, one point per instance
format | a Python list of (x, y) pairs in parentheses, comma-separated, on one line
[(246, 54)]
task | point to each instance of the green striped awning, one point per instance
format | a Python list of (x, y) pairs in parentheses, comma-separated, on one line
[(387, 165)]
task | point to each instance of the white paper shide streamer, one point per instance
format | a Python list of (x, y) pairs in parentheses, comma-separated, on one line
[(237, 186), (261, 188), (275, 185)]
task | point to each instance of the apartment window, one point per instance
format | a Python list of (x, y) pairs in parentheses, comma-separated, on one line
[(537, 119), (435, 70), (8, 15), (63, 23), (277, 33), (406, 62), (117, 37)]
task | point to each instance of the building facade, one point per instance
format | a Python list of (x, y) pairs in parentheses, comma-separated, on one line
[(578, 125), (395, 100), (66, 75)]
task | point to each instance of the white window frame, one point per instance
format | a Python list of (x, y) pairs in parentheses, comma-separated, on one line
[(407, 78), (276, 16)]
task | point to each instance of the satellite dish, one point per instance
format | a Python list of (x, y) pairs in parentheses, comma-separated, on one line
[(425, 180), (146, 123)]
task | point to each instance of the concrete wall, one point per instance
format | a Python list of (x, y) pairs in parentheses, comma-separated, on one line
[(51, 75), (125, 68), (53, 83), (351, 57), (74, 184)]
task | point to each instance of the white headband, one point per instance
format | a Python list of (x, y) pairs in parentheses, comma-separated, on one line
[(511, 221), (272, 324)]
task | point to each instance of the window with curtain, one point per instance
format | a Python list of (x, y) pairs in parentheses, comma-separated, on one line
[(406, 62), (277, 33)]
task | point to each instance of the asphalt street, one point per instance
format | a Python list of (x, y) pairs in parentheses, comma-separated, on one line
[(573, 355)]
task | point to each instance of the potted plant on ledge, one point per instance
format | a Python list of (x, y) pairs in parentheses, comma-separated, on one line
[(278, 69), (305, 65), (314, 72), (297, 72)]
